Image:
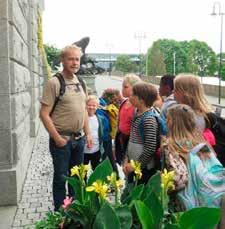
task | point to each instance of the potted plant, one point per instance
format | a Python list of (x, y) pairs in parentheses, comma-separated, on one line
[(139, 206)]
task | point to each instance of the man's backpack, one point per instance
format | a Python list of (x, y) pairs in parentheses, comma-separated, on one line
[(217, 126), (63, 88)]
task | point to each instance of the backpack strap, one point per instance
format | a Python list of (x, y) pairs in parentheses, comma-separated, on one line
[(160, 121), (62, 90), (82, 83), (197, 148), (141, 126)]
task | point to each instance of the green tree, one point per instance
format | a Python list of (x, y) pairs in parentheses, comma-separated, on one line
[(223, 65), (203, 58), (155, 61), (195, 56), (124, 64), (173, 54), (142, 64), (53, 54)]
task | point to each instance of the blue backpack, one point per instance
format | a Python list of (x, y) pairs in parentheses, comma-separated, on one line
[(162, 131), (103, 115), (161, 122)]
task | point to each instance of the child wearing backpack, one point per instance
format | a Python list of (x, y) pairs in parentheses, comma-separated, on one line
[(93, 154), (102, 113), (143, 148), (126, 113), (188, 90), (206, 176)]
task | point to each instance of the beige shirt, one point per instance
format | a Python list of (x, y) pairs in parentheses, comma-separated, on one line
[(69, 112)]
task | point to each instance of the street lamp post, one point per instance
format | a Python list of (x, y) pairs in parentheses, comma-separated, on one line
[(110, 46), (140, 36), (174, 63), (220, 13)]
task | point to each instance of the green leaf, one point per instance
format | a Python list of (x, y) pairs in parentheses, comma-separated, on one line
[(171, 226), (153, 203), (125, 216), (153, 185), (101, 172), (144, 215), (196, 218), (106, 218), (76, 185), (135, 194), (93, 202)]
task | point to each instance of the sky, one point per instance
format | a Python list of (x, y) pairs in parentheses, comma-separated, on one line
[(115, 25)]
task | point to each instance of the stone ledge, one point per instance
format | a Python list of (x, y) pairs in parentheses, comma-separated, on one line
[(7, 216)]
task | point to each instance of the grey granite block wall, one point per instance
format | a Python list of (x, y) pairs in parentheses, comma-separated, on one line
[(21, 77)]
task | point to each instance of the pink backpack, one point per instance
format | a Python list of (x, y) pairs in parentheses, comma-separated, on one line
[(209, 136)]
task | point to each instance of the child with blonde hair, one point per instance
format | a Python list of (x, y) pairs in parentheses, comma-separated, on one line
[(206, 175), (93, 154), (126, 113), (188, 90)]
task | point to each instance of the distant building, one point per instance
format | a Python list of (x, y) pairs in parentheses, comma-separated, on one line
[(103, 60)]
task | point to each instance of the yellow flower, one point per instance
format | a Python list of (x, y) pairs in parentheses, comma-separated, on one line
[(167, 180), (112, 177), (84, 169), (80, 170), (99, 187), (117, 184), (137, 168), (75, 171)]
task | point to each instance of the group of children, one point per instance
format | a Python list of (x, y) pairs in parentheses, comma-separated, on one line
[(178, 112)]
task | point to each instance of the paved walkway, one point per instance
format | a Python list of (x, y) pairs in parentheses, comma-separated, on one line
[(36, 197)]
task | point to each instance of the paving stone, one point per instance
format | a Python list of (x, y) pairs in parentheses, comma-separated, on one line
[(30, 210), (16, 223), (43, 209), (35, 205), (26, 222), (33, 216), (36, 198)]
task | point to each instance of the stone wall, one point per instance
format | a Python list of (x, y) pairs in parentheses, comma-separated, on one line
[(209, 89), (21, 79)]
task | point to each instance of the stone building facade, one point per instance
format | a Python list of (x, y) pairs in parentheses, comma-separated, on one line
[(21, 79)]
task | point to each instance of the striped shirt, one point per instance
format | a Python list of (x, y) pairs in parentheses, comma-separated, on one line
[(143, 150)]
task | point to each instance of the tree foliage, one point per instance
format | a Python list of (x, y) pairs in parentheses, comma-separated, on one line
[(222, 66), (194, 57), (155, 61), (124, 64), (204, 61), (53, 54)]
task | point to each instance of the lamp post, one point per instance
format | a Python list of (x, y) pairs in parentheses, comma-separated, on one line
[(110, 46), (220, 13), (140, 36), (174, 63)]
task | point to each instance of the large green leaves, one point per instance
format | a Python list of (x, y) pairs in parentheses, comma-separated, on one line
[(196, 218), (76, 185), (135, 194), (106, 218), (144, 215), (153, 185), (153, 203), (125, 217), (101, 172)]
